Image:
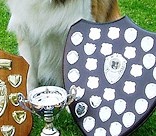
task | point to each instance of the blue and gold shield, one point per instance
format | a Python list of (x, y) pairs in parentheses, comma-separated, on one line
[(113, 66)]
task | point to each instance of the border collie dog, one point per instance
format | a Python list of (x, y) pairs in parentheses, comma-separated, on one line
[(41, 28)]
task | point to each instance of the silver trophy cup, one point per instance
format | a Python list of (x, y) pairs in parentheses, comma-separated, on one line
[(47, 102)]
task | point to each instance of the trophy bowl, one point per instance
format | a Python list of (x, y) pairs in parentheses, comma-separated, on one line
[(47, 102)]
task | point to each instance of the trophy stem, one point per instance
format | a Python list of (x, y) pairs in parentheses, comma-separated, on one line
[(49, 129)]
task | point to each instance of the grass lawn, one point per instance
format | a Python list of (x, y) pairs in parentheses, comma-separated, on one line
[(142, 12)]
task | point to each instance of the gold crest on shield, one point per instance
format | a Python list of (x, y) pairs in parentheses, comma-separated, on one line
[(19, 116), (8, 130)]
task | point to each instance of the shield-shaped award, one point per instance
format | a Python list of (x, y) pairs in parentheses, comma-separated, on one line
[(14, 121), (113, 66)]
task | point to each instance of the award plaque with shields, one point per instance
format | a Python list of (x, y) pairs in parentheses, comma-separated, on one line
[(14, 121), (113, 66), (16, 108)]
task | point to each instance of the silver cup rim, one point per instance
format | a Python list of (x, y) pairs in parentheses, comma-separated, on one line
[(42, 89)]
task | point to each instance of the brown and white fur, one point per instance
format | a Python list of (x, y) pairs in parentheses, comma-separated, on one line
[(41, 27)]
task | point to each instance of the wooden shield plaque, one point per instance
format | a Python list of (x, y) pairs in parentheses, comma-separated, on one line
[(113, 66), (14, 121)]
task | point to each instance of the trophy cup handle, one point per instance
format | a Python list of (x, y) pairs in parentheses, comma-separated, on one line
[(72, 95), (23, 102)]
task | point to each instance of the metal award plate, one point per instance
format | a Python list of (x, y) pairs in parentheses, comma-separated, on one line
[(113, 66), (13, 76)]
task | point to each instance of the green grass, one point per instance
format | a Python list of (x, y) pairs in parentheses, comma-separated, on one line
[(64, 123), (142, 12), (7, 40)]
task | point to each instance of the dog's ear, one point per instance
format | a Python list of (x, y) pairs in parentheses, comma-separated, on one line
[(105, 10)]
